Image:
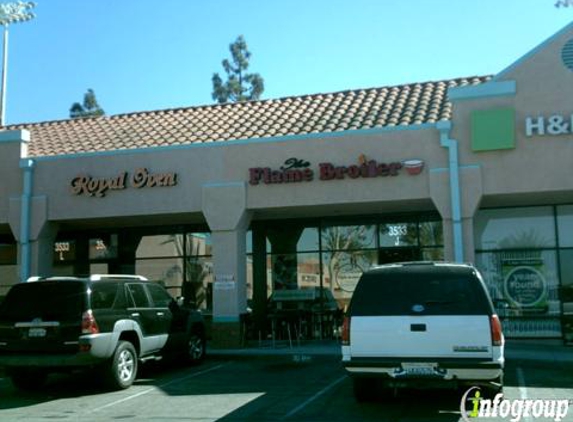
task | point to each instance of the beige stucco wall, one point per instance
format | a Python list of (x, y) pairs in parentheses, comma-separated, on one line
[(229, 163), (11, 149), (537, 170)]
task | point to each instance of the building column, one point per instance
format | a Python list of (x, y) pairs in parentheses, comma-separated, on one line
[(471, 195), (42, 246), (41, 236), (224, 207), (440, 194)]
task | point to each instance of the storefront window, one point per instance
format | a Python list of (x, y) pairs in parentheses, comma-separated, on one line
[(168, 271), (250, 242), (8, 277), (342, 270), (287, 239), (164, 245), (199, 244), (515, 228), (284, 271), (348, 237), (565, 225), (431, 233), (198, 287), (432, 254), (566, 261), (294, 271), (398, 234), (64, 251), (182, 262), (104, 247), (8, 253), (528, 281)]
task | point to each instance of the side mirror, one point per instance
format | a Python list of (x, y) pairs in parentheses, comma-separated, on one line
[(180, 301)]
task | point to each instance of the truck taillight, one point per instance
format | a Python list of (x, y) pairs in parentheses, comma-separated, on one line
[(346, 331), (89, 324), (496, 333)]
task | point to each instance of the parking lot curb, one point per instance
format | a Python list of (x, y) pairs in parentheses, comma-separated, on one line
[(531, 351), (296, 354)]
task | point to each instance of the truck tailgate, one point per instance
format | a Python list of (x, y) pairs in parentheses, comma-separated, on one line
[(465, 336)]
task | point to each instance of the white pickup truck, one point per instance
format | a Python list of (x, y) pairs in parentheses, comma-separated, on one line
[(422, 324)]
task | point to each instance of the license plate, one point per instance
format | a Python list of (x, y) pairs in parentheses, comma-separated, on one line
[(36, 332), (419, 369)]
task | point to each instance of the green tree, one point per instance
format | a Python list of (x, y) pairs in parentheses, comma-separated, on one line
[(89, 108), (240, 85)]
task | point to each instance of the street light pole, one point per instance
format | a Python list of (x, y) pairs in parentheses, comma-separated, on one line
[(11, 13)]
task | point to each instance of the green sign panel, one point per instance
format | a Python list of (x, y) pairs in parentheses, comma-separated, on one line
[(493, 129)]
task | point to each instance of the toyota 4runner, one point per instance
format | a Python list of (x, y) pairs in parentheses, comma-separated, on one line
[(422, 324), (110, 323)]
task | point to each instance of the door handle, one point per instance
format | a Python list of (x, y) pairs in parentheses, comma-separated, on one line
[(418, 327), (135, 314), (160, 314)]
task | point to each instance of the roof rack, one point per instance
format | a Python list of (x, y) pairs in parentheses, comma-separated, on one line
[(92, 277), (99, 277)]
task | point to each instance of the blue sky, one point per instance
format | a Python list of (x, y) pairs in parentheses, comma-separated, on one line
[(141, 55)]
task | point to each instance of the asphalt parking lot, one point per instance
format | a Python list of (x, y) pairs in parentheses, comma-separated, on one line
[(297, 388)]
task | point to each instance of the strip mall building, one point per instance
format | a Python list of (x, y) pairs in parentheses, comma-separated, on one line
[(228, 204)]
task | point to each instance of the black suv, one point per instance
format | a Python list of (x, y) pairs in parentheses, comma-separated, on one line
[(109, 322)]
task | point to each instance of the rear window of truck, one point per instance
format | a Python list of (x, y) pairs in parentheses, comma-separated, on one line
[(50, 301), (427, 290)]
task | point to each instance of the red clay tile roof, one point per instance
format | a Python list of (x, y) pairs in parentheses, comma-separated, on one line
[(401, 105)]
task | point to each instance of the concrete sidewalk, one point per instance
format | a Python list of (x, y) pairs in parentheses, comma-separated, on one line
[(543, 351)]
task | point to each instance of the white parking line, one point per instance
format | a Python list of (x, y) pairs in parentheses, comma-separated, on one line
[(149, 390), (522, 389), (313, 398)]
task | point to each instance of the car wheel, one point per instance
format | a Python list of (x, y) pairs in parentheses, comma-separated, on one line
[(122, 369), (28, 380), (195, 348), (364, 389)]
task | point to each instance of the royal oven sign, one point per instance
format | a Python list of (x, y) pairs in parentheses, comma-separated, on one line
[(139, 179), (296, 170)]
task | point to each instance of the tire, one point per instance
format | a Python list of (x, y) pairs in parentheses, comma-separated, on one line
[(121, 370), (28, 380), (364, 389), (195, 348)]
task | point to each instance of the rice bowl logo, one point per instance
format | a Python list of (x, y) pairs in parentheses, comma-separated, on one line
[(474, 406)]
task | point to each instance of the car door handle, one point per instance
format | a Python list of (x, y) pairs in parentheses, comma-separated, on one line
[(418, 327), (135, 314), (160, 313)]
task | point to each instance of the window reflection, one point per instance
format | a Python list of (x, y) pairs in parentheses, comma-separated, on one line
[(348, 237), (199, 244), (8, 277), (168, 271), (342, 270), (295, 271), (433, 254), (431, 233), (515, 228), (163, 245), (565, 225), (197, 289), (289, 239), (528, 281)]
